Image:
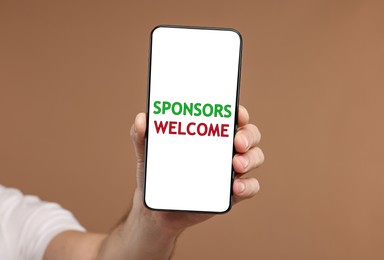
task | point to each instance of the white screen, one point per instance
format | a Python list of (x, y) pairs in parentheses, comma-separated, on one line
[(189, 158)]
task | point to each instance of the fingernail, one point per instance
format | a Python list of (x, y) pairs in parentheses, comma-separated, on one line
[(245, 140), (243, 161), (134, 125), (241, 186)]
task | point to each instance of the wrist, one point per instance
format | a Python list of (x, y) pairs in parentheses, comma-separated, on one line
[(140, 236), (156, 221)]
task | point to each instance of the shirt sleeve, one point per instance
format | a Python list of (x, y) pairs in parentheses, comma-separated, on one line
[(28, 224)]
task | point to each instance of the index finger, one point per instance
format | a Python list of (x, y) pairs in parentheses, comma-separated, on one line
[(243, 116)]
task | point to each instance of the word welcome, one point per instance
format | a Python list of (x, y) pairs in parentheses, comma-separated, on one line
[(192, 128)]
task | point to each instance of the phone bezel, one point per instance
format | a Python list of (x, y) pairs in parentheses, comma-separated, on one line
[(235, 116)]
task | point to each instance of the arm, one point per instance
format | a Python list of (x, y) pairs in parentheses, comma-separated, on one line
[(158, 229)]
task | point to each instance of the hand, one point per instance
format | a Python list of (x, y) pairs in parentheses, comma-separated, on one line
[(248, 157), (160, 229)]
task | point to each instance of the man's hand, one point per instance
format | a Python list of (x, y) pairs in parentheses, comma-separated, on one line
[(148, 234), (151, 235), (248, 157)]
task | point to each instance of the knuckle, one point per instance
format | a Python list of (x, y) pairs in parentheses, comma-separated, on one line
[(255, 187), (260, 155), (256, 133), (132, 132)]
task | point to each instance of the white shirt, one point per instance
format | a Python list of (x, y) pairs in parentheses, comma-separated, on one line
[(27, 225)]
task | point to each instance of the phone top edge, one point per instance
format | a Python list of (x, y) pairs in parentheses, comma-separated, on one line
[(198, 27)]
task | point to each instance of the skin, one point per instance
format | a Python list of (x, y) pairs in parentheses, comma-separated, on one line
[(160, 229)]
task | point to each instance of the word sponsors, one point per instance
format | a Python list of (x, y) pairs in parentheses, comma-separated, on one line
[(194, 110)]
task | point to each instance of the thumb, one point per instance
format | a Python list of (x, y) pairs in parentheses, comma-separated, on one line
[(138, 136)]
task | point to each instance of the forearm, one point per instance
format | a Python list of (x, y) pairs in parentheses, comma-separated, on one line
[(139, 237), (73, 245), (133, 241)]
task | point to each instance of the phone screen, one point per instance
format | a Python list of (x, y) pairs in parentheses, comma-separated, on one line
[(191, 118)]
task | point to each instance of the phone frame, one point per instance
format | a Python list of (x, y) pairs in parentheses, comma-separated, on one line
[(235, 116)]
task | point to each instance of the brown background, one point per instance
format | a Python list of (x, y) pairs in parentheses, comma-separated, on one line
[(73, 75)]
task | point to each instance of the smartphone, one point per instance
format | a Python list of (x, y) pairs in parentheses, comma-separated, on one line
[(193, 90)]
